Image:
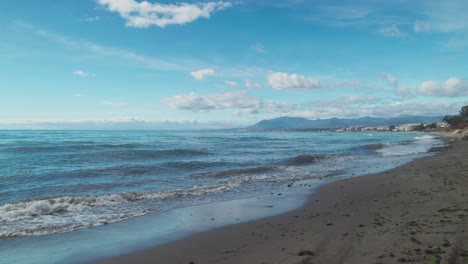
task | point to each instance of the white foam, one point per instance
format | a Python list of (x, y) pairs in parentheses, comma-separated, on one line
[(420, 145), (63, 214), (425, 137)]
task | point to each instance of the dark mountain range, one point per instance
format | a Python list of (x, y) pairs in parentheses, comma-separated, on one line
[(293, 123)]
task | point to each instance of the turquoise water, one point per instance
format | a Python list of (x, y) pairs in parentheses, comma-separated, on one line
[(75, 182)]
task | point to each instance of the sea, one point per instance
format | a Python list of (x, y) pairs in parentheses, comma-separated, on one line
[(64, 186)]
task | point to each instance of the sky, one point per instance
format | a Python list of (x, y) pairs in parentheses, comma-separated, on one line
[(228, 63)]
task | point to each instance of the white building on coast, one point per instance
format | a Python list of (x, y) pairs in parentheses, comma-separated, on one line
[(406, 127)]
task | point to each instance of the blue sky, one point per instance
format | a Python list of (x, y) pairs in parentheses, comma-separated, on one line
[(229, 63)]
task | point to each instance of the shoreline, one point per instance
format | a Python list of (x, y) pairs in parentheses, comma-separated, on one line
[(413, 213)]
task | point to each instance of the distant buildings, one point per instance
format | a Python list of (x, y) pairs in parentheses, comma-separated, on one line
[(414, 127), (407, 127), (400, 128), (363, 128)]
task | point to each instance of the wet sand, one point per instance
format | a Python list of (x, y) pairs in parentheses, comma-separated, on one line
[(415, 213)]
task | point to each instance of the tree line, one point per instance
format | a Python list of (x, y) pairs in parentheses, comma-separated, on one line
[(461, 118)]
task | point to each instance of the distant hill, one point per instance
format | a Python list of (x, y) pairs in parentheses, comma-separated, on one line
[(293, 123)]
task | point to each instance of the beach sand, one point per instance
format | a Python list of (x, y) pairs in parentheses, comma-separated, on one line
[(414, 213)]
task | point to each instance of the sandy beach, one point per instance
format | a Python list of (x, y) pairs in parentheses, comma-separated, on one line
[(414, 213)]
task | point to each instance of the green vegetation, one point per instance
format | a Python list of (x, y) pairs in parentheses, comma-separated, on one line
[(435, 260), (420, 127), (461, 118)]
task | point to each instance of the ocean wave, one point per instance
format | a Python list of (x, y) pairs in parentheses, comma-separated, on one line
[(288, 174), (62, 214), (400, 150), (381, 146), (189, 165), (418, 145), (425, 137), (73, 147), (303, 160), (438, 149), (151, 153), (134, 154), (81, 142), (122, 170), (127, 170), (234, 172), (375, 146), (404, 142), (54, 206)]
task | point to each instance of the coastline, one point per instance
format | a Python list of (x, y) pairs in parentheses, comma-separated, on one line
[(413, 213)]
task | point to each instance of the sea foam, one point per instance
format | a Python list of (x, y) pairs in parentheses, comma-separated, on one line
[(63, 214)]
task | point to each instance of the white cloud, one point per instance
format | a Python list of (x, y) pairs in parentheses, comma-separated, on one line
[(115, 104), (144, 14), (402, 91), (201, 74), (198, 102), (241, 102), (90, 19), (252, 85), (421, 26), (231, 83), (258, 48), (76, 95), (393, 31), (284, 81), (390, 79), (453, 87), (81, 73)]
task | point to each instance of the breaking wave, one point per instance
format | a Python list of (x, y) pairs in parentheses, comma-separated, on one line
[(302, 160), (234, 172), (425, 137), (64, 214), (375, 146)]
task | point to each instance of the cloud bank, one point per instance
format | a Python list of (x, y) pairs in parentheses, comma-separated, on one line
[(240, 101), (453, 87)]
